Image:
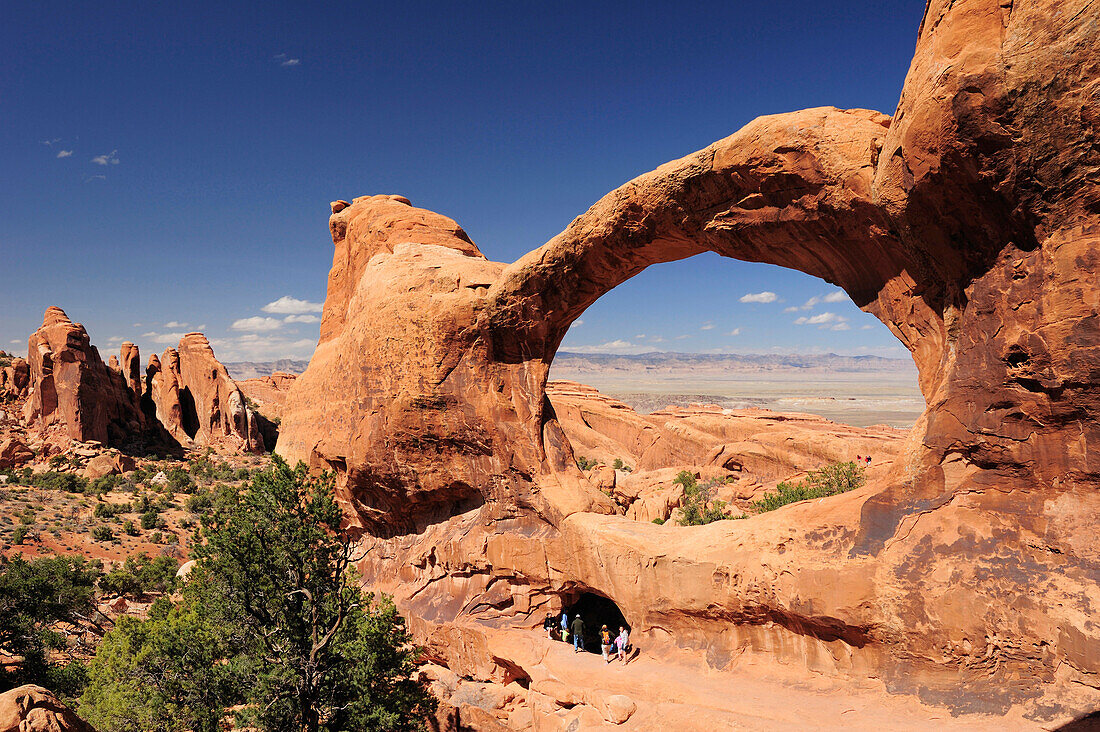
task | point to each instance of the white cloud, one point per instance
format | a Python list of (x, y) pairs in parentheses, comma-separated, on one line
[(110, 158), (95, 177), (255, 347), (656, 339), (734, 332), (307, 319), (761, 297), (287, 305), (257, 324), (47, 143), (291, 62), (825, 321), (136, 325), (175, 324), (156, 337), (578, 321), (791, 309), (836, 296), (64, 153), (640, 335), (115, 339), (707, 326), (866, 327), (16, 342), (682, 337)]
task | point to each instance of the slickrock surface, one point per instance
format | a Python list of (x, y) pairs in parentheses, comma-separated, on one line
[(31, 708), (71, 395)]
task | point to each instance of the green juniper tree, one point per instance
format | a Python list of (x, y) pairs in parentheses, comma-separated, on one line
[(36, 597), (295, 644)]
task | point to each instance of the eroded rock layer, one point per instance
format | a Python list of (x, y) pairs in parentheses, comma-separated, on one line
[(968, 223)]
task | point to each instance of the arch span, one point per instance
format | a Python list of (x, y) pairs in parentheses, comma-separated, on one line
[(968, 224)]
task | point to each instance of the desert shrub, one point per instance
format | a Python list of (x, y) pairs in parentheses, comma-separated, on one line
[(150, 520), (829, 481), (52, 480), (585, 464), (129, 528), (659, 521), (155, 537), (180, 481), (103, 533), (109, 510), (19, 535), (243, 474), (27, 516), (700, 505), (141, 504), (620, 465), (105, 484)]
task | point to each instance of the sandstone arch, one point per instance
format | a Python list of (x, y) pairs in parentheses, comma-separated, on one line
[(968, 223)]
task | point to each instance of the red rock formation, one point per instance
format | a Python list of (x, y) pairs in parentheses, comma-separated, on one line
[(15, 379), (31, 708), (968, 224), (131, 368), (222, 417), (189, 401), (196, 401), (72, 388), (269, 392)]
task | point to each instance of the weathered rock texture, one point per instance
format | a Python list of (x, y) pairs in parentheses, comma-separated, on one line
[(968, 223), (269, 392), (15, 379), (191, 402), (31, 708), (71, 387)]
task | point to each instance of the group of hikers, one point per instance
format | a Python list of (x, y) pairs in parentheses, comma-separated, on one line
[(863, 459), (614, 647)]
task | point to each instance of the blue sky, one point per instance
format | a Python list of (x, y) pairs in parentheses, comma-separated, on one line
[(168, 166)]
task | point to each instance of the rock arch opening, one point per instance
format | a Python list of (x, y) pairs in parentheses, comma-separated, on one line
[(736, 334), (595, 610)]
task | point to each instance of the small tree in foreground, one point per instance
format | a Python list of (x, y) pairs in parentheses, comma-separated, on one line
[(292, 641)]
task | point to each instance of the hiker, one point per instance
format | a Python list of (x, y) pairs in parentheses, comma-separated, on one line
[(605, 643), (578, 633), (564, 626), (622, 643), (548, 625), (868, 458)]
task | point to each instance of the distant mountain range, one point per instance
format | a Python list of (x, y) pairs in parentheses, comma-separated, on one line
[(255, 369), (665, 362), (656, 363)]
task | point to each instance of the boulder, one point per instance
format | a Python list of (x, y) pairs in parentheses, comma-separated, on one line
[(31, 708), (111, 463), (14, 453), (15, 379)]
